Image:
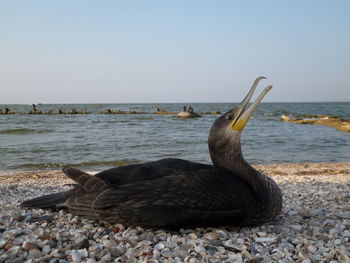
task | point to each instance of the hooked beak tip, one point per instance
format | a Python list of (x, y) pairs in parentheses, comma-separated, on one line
[(268, 88)]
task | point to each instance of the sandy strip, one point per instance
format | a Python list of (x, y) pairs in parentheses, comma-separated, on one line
[(314, 225)]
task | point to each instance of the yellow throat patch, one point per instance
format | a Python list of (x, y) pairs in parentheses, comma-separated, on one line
[(239, 125)]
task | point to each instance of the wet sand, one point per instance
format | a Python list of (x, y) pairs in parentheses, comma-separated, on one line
[(313, 227)]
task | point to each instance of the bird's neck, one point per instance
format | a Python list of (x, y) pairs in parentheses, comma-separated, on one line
[(229, 156), (248, 173)]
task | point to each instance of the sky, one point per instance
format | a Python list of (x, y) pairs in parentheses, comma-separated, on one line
[(173, 51)]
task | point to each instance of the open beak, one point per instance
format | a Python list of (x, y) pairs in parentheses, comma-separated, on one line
[(242, 114)]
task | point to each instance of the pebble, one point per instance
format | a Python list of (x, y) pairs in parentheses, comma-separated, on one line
[(81, 243), (166, 252), (75, 256), (213, 260), (265, 239), (344, 258), (212, 236), (199, 249), (116, 252), (46, 249), (159, 246), (261, 234), (333, 231), (36, 253), (2, 243), (337, 242), (323, 237), (246, 254), (39, 231), (343, 215), (107, 243), (193, 260), (27, 246), (312, 249), (346, 233), (192, 236), (13, 250), (7, 244), (235, 258), (297, 227), (106, 258)]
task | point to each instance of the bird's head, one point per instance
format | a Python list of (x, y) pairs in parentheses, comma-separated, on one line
[(224, 136)]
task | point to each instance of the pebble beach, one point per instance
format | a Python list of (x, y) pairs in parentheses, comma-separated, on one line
[(313, 227)]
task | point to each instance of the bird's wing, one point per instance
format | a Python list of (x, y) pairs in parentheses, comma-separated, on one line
[(169, 200), (198, 191)]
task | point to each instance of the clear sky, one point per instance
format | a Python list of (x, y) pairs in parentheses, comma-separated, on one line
[(173, 51)]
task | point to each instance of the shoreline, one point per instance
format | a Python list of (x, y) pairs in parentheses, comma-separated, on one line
[(313, 227), (265, 168)]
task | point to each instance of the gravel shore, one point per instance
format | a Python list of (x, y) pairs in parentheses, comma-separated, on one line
[(314, 225)]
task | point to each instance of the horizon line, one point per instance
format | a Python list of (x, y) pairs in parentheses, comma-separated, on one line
[(222, 102)]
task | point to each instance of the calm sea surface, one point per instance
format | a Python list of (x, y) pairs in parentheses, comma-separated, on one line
[(96, 141)]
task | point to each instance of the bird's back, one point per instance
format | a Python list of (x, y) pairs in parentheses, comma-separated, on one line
[(151, 170)]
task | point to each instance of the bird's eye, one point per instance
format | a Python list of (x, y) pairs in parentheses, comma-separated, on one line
[(229, 117)]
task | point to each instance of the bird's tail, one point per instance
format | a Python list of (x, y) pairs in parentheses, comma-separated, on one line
[(84, 183), (46, 201)]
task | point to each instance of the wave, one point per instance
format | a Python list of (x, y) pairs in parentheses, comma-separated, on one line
[(22, 131)]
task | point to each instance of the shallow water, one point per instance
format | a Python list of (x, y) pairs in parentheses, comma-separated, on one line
[(98, 141)]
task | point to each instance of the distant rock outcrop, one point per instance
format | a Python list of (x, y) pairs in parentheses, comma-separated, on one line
[(188, 113), (7, 111), (161, 111), (332, 121)]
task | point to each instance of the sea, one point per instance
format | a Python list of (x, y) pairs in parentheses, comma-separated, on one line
[(98, 141)]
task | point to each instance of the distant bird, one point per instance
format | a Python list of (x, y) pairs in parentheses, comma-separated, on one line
[(174, 193)]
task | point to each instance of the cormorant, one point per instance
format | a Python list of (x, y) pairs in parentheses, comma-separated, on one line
[(174, 193)]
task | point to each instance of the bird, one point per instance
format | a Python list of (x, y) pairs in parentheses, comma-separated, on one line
[(175, 193)]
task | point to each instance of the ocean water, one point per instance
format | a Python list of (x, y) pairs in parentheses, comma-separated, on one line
[(97, 141)]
